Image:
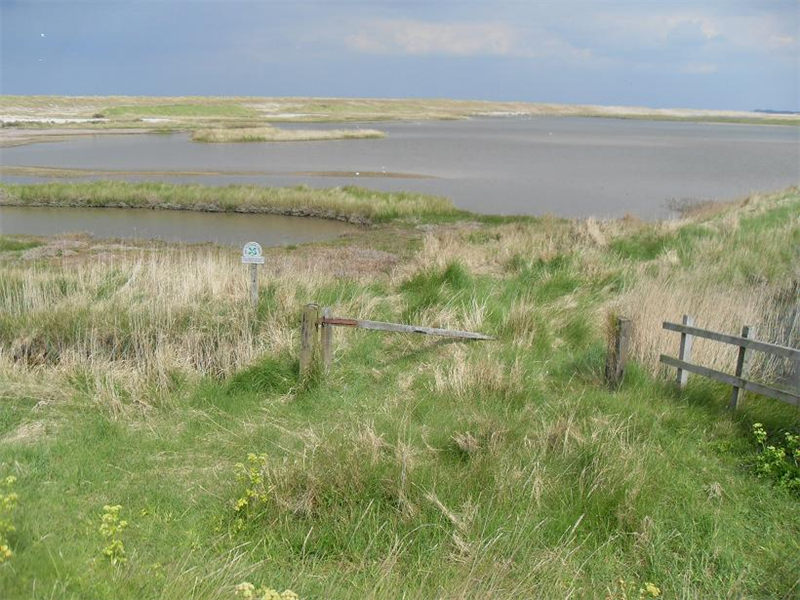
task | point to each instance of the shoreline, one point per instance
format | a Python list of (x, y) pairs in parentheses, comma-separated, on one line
[(59, 172)]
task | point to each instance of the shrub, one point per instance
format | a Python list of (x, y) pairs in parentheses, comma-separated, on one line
[(780, 462), (111, 529)]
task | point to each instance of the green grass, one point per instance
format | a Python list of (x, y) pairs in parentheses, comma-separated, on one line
[(179, 110), (419, 467), (348, 203), (11, 244)]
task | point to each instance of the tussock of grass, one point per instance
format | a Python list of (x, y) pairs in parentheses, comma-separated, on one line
[(274, 134), (348, 203), (421, 467), (9, 244)]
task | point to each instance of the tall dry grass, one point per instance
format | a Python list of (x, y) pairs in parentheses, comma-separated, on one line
[(130, 324), (725, 309), (744, 271)]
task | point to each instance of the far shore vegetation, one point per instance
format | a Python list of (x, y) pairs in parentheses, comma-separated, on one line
[(63, 116), (275, 134), (157, 441)]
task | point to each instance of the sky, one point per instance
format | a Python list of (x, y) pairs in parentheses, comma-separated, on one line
[(723, 54)]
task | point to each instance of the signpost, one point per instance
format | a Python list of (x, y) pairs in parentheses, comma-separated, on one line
[(253, 255)]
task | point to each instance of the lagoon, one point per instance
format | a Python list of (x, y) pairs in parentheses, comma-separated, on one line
[(227, 229), (565, 166)]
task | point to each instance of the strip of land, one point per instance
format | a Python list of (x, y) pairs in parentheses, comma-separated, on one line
[(23, 116), (350, 203)]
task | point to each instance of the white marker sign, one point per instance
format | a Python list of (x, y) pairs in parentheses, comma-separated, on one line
[(252, 254)]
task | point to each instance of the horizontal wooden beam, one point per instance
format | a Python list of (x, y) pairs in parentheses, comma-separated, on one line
[(750, 386), (398, 328), (775, 349)]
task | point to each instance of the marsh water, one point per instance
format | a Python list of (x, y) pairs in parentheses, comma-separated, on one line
[(566, 166), (169, 225)]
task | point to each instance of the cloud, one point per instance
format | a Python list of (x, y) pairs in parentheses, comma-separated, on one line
[(699, 68), (690, 31), (782, 41), (417, 38)]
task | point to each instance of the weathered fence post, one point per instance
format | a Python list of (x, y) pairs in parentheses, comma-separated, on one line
[(618, 352), (326, 338), (685, 353), (254, 284), (253, 255), (742, 367), (308, 338)]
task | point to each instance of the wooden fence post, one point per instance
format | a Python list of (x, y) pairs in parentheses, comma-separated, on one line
[(618, 352), (685, 353), (742, 367), (326, 337), (308, 338), (254, 284)]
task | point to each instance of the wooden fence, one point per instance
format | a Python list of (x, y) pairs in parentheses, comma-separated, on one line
[(324, 322), (739, 380)]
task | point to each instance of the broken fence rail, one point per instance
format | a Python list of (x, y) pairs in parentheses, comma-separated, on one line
[(399, 328), (312, 321)]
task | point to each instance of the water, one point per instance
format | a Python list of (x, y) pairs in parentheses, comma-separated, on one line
[(175, 226), (567, 166)]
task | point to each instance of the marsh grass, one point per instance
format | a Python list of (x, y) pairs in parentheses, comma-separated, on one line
[(503, 469), (179, 110), (348, 203), (275, 134)]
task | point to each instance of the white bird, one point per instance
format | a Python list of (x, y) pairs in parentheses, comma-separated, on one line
[(41, 34), (357, 173)]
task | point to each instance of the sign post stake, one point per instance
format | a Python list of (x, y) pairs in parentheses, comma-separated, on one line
[(253, 255), (254, 284)]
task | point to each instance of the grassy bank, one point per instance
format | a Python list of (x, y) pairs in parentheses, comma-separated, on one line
[(198, 110), (349, 203), (274, 134), (140, 375)]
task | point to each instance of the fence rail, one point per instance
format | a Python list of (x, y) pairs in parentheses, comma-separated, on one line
[(739, 380), (324, 322), (775, 349)]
